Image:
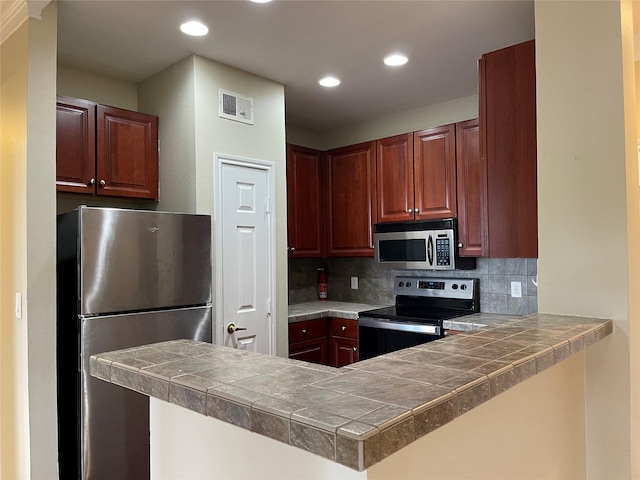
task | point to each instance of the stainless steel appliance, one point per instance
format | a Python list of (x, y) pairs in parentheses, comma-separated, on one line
[(424, 245), (422, 305), (125, 278)]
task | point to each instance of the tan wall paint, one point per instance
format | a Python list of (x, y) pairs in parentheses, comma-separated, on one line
[(265, 140), (74, 82), (29, 433), (176, 112), (632, 124), (387, 125), (583, 206), (14, 416), (533, 431)]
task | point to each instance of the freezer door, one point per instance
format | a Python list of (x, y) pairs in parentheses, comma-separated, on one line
[(112, 433), (133, 260)]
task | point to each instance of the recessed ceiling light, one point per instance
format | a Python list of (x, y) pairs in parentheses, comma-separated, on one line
[(395, 60), (329, 82), (260, 1), (195, 29)]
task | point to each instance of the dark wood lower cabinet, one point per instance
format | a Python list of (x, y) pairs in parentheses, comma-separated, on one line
[(327, 341), (314, 351), (344, 351)]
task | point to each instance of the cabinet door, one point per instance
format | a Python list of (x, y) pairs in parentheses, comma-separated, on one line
[(434, 166), (315, 350), (75, 145), (305, 202), (351, 202), (343, 340), (508, 133), (344, 351), (472, 181), (394, 162), (127, 153)]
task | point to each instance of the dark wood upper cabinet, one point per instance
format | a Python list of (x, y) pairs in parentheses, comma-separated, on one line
[(305, 202), (416, 175), (472, 181), (394, 162), (351, 200), (434, 163), (75, 145), (127, 153), (508, 143), (105, 150)]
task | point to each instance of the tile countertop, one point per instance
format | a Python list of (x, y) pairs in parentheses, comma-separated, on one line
[(359, 414)]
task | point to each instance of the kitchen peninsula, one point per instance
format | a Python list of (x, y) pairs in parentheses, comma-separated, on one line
[(359, 415)]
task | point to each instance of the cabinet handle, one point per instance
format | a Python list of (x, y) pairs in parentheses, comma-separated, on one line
[(460, 245), (92, 181), (102, 183), (343, 328)]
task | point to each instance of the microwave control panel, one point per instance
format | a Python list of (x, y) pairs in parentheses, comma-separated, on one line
[(443, 251)]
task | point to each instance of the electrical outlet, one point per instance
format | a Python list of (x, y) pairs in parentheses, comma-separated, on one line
[(354, 283), (516, 289)]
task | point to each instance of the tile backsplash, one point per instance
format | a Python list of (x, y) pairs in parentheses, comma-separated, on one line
[(375, 283)]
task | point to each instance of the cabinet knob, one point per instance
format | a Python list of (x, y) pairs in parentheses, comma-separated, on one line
[(417, 211), (102, 183), (355, 349), (410, 210), (460, 245), (304, 330), (344, 328), (92, 181), (293, 249)]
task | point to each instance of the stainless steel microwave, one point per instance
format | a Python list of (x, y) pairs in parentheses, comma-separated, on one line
[(425, 245)]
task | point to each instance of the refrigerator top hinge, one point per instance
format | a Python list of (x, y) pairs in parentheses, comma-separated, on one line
[(267, 205), (269, 307)]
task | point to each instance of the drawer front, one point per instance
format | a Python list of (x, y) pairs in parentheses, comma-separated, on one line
[(344, 327), (307, 329)]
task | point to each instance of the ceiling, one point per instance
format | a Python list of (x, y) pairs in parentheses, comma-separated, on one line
[(295, 43)]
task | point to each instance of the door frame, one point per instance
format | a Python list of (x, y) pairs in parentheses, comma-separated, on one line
[(221, 159)]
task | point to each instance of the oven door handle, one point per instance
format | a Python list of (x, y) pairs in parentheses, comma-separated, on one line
[(387, 324)]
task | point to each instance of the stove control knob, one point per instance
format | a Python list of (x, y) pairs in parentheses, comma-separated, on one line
[(401, 284), (408, 284), (454, 286), (463, 287)]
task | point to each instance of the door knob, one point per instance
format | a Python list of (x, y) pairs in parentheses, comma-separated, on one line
[(231, 328)]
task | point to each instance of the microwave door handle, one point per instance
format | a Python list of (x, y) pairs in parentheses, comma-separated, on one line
[(430, 250)]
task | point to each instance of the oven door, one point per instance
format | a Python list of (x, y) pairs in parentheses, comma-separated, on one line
[(378, 336)]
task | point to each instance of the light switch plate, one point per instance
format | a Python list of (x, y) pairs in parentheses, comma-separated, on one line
[(18, 305), (354, 283)]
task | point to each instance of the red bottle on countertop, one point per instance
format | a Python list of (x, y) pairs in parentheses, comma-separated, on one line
[(322, 284)]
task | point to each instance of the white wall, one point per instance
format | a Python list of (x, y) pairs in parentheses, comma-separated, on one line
[(27, 190), (584, 208)]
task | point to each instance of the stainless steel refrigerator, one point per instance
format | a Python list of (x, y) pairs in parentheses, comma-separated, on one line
[(125, 278)]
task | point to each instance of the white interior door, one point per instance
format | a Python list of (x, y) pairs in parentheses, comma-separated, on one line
[(244, 253)]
